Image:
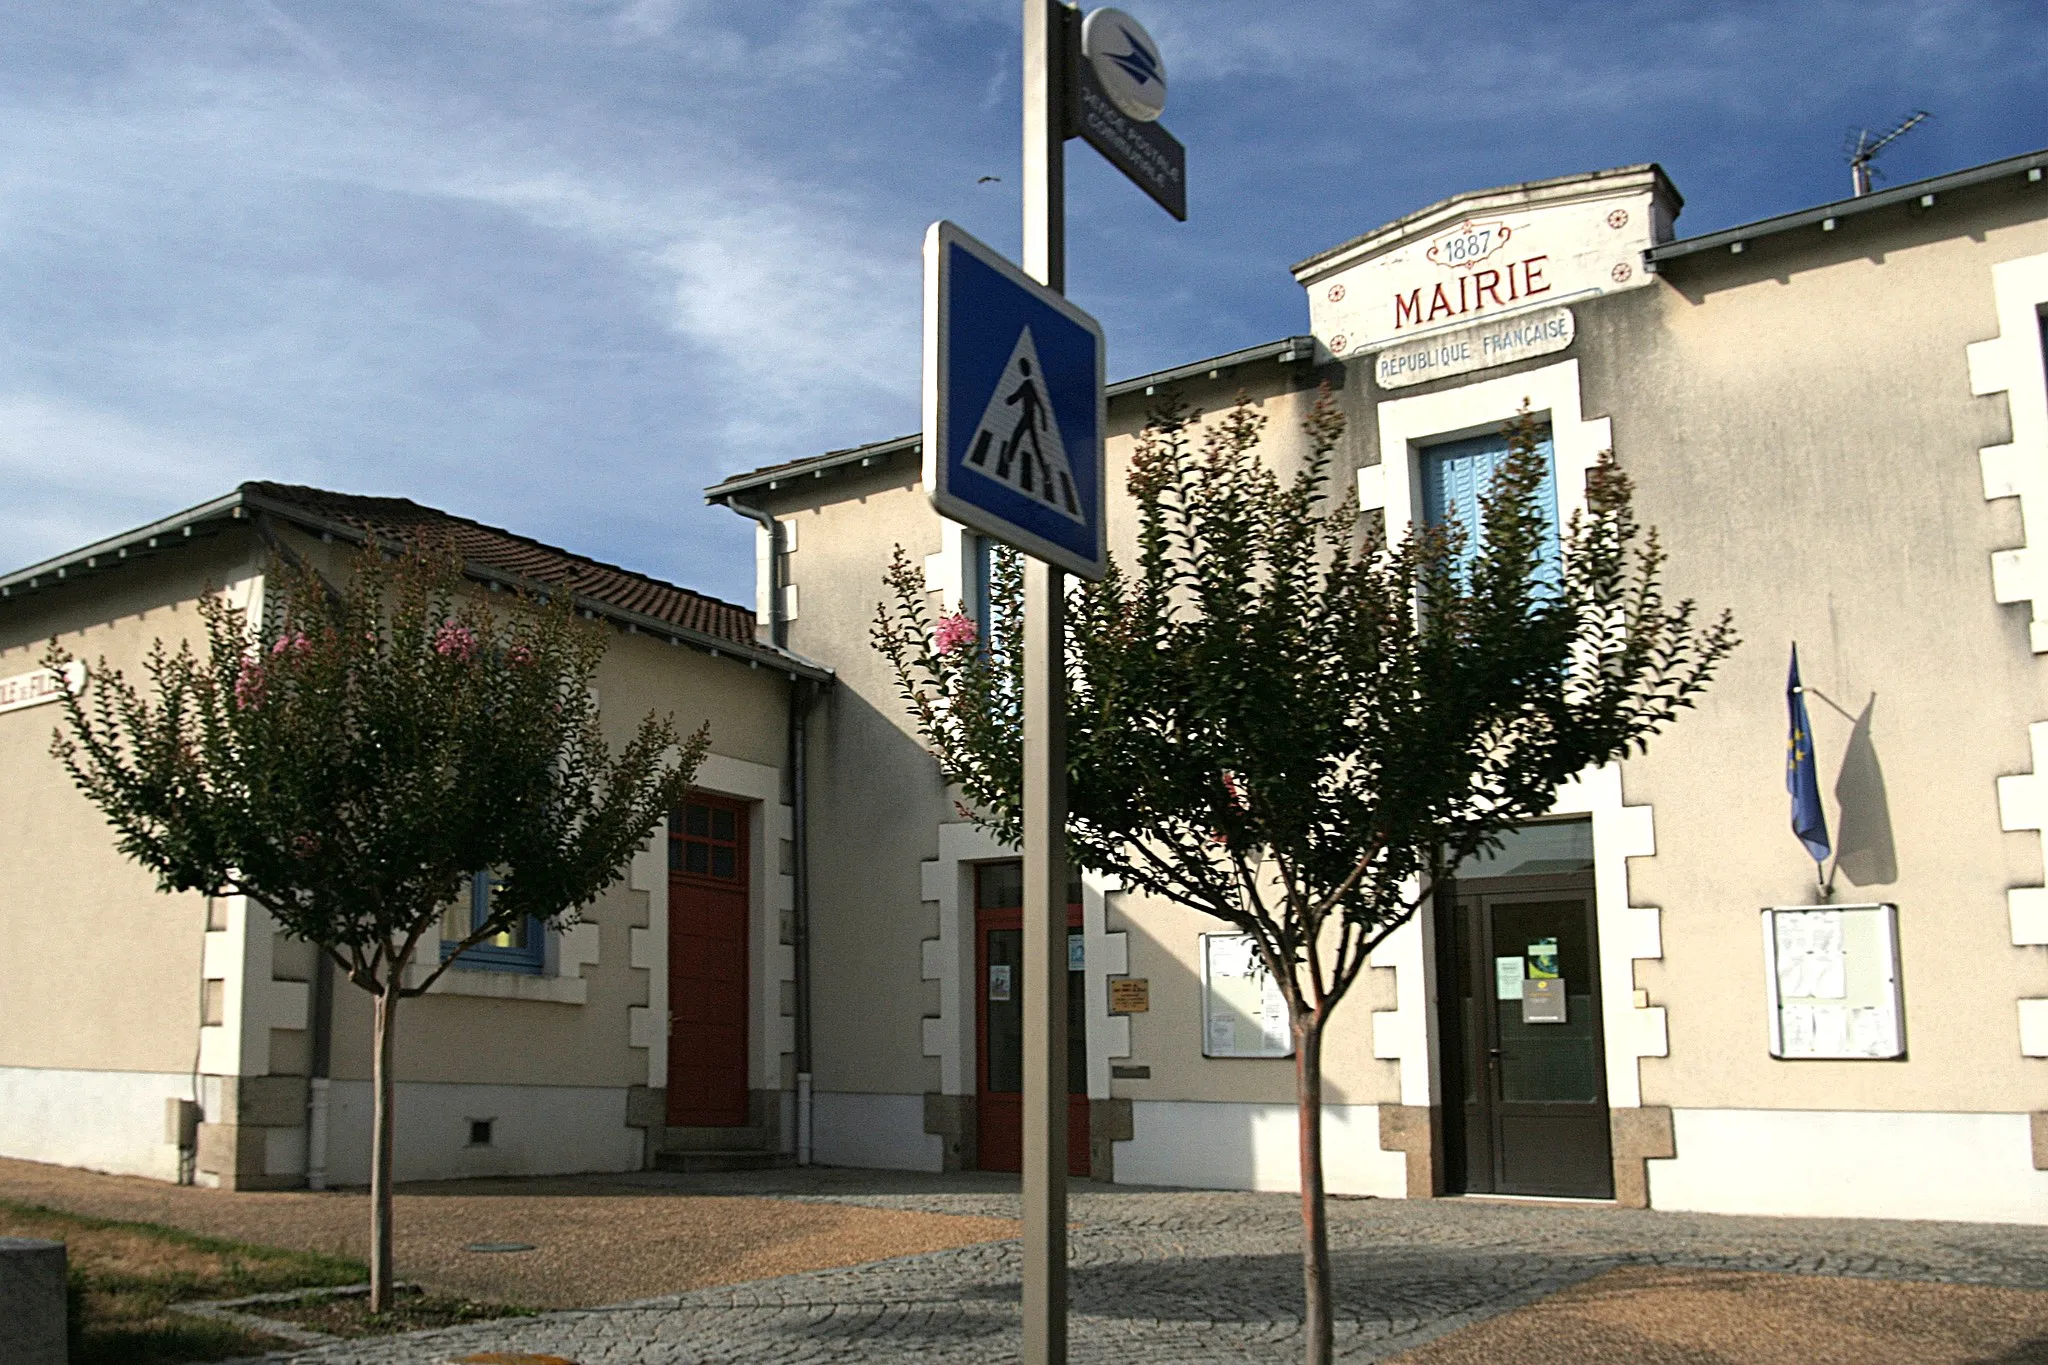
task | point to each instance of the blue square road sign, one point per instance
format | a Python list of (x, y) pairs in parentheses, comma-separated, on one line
[(1013, 405)]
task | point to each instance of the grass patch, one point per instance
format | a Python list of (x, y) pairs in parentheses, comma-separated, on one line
[(349, 1315), (125, 1276)]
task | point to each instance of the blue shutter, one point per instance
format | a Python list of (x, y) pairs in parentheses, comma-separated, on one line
[(1457, 474), (523, 950)]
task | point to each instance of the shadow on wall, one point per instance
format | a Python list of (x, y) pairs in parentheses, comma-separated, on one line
[(1865, 853)]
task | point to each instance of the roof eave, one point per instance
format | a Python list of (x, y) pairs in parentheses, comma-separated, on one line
[(773, 480), (2030, 166), (780, 477), (636, 622), (241, 504), (179, 526)]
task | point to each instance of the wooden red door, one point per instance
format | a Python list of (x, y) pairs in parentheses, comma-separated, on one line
[(999, 964), (707, 964)]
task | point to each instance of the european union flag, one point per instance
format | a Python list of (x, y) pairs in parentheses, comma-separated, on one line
[(1809, 821)]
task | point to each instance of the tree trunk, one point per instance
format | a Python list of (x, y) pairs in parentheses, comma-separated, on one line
[(385, 1010), (1317, 1316)]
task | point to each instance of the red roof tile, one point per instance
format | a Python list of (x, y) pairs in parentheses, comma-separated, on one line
[(521, 557)]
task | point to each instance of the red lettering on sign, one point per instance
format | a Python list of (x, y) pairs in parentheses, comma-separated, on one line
[(1407, 309), (1475, 291)]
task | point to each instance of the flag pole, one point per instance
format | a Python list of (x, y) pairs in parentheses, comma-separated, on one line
[(1802, 779)]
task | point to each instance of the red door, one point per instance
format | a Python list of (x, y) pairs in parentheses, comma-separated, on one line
[(999, 963), (707, 964)]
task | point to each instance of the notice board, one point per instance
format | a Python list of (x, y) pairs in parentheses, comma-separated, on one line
[(1243, 1012), (1832, 973)]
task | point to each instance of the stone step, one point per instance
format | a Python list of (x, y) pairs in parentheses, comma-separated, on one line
[(719, 1139), (698, 1161)]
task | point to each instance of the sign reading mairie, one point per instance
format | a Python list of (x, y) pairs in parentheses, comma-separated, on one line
[(1487, 256)]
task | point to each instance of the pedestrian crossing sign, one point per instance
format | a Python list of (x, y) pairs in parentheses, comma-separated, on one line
[(1013, 405)]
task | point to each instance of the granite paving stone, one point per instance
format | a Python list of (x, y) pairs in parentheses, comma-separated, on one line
[(1187, 1276)]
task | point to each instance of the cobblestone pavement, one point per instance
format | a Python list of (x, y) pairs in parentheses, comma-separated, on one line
[(1182, 1276)]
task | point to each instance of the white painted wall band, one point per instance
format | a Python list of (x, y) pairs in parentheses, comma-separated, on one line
[(1407, 1033), (2011, 363)]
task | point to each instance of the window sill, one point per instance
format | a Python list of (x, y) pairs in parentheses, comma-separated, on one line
[(571, 950), (558, 990)]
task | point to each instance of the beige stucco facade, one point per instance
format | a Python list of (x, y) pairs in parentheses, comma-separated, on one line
[(1836, 428), (1838, 421), (127, 1005)]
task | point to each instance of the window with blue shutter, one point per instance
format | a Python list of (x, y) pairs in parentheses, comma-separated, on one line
[(520, 949), (1457, 474)]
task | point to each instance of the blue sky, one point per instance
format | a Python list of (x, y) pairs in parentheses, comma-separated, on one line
[(558, 265)]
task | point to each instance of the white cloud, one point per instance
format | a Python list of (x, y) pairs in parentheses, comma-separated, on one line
[(77, 473), (544, 260)]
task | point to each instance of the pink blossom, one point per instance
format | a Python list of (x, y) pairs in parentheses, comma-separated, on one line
[(1238, 797), (455, 641), (305, 845), (249, 685), (292, 642), (518, 656), (954, 632)]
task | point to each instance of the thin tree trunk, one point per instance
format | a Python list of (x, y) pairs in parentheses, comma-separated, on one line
[(1317, 1316), (384, 1016)]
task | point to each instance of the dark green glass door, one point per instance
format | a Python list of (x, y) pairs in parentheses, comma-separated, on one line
[(1524, 1049)]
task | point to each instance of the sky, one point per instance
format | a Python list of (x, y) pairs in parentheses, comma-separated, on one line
[(557, 265)]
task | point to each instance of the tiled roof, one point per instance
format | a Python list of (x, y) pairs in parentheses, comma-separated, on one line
[(517, 557)]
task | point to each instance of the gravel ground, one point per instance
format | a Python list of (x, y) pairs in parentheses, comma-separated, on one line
[(597, 1239), (1654, 1316), (1169, 1276)]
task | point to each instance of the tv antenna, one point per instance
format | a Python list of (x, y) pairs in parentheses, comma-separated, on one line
[(1862, 149)]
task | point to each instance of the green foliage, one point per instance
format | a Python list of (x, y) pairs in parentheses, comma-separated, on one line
[(123, 1278), (349, 761), (1291, 725), (242, 1268), (412, 1310)]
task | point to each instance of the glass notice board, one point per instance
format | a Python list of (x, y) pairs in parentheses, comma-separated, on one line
[(1243, 1012), (1832, 974)]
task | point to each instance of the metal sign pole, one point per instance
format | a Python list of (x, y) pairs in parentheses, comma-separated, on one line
[(1046, 63)]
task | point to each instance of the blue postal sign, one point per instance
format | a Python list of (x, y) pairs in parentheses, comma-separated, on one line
[(1013, 406)]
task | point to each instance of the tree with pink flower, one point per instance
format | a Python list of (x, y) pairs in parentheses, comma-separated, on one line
[(351, 761), (1280, 718)]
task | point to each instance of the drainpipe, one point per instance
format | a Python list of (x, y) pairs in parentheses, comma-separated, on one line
[(778, 629), (801, 694), (316, 1083), (800, 914)]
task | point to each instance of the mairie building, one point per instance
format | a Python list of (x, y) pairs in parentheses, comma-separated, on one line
[(1837, 419)]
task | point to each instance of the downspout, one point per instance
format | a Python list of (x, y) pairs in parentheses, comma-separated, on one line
[(316, 1082), (800, 913), (801, 694), (778, 629)]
